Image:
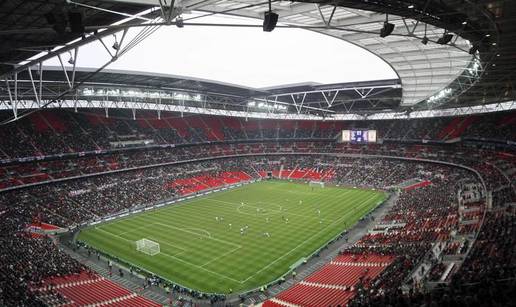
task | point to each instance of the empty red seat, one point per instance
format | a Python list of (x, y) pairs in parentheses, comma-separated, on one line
[(310, 296), (89, 288)]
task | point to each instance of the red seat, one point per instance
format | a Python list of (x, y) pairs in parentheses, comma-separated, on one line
[(89, 288), (310, 296)]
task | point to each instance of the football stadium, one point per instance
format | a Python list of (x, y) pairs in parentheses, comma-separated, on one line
[(257, 153)]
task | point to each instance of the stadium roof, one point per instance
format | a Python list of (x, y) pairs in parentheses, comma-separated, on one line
[(243, 56), (169, 89), (432, 75)]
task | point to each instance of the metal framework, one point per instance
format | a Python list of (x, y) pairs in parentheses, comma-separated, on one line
[(160, 106), (35, 70), (339, 98), (423, 69), (429, 73), (125, 86)]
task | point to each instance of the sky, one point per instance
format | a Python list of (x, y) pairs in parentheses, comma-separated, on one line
[(242, 56)]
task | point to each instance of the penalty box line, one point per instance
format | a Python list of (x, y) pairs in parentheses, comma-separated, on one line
[(202, 268), (236, 246), (178, 259), (221, 256), (150, 237), (197, 234)]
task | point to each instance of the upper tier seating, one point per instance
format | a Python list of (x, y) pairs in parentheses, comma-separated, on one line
[(61, 131)]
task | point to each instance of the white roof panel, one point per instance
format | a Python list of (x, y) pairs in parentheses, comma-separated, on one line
[(438, 64)]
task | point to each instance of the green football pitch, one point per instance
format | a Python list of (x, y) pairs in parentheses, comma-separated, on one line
[(201, 244)]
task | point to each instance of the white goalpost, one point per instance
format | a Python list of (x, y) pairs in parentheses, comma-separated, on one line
[(147, 246), (316, 184)]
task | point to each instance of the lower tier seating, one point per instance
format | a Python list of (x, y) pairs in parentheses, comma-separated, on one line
[(315, 296), (334, 284), (90, 289)]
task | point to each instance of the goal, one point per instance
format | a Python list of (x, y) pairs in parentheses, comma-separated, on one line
[(316, 184), (147, 246)]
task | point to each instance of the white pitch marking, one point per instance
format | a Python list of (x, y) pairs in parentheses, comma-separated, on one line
[(223, 255), (300, 244), (197, 234)]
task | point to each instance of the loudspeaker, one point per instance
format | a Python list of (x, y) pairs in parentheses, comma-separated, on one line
[(269, 21), (387, 29), (75, 20)]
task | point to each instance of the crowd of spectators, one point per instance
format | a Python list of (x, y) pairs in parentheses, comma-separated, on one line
[(486, 278), (75, 201), (499, 172), (99, 195), (124, 179), (427, 215), (419, 219), (26, 259), (62, 131)]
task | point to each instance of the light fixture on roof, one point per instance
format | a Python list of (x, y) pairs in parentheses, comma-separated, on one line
[(387, 27), (411, 6), (445, 39), (71, 60), (179, 22), (270, 19), (424, 41), (116, 45)]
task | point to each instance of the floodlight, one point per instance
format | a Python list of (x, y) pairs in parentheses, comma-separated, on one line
[(424, 41), (179, 22), (116, 45), (71, 60)]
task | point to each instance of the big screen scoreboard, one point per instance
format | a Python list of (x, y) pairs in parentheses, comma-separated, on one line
[(359, 136)]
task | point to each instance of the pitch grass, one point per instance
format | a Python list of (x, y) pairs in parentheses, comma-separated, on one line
[(207, 255)]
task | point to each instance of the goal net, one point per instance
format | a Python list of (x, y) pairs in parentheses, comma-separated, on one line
[(147, 246), (316, 184)]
